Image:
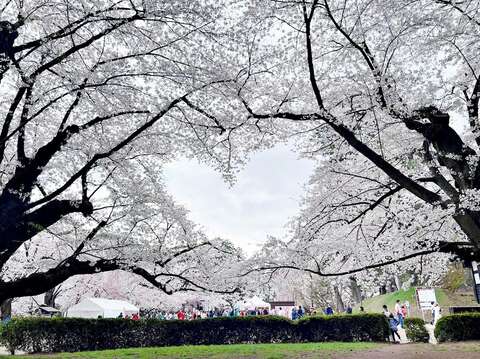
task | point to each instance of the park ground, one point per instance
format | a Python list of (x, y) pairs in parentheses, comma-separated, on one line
[(285, 351)]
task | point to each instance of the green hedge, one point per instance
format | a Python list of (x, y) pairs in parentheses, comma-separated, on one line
[(457, 327), (72, 334), (415, 330), (348, 328)]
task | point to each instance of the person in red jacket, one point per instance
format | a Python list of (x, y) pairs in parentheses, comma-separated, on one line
[(135, 316), (180, 315)]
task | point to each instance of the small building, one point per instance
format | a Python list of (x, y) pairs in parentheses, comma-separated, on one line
[(101, 308), (283, 308)]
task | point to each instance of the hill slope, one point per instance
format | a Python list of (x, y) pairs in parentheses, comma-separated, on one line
[(444, 299)]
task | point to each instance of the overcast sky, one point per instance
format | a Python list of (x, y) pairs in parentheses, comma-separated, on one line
[(265, 196)]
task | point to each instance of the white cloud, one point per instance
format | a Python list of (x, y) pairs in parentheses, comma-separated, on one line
[(266, 195)]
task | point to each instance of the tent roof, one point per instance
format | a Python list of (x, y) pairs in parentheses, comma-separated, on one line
[(112, 304), (253, 302)]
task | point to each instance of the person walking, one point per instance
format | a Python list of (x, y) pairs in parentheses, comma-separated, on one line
[(180, 315), (393, 324), (294, 313), (398, 312), (432, 309), (436, 313), (300, 312), (386, 312)]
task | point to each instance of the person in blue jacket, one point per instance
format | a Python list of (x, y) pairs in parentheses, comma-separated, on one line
[(329, 310), (393, 324)]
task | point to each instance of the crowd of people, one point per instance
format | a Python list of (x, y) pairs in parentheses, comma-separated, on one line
[(293, 313), (396, 319)]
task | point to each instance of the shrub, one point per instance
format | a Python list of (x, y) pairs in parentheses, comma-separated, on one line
[(354, 327), (456, 327), (415, 330), (75, 334)]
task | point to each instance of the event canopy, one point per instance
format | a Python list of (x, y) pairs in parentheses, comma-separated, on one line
[(106, 308), (252, 304)]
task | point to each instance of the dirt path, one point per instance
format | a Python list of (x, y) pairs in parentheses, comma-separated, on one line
[(469, 350)]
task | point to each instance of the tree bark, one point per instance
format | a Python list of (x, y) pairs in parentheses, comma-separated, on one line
[(6, 308), (338, 300), (356, 291), (398, 281), (391, 287), (50, 296)]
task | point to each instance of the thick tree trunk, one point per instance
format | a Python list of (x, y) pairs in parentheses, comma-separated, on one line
[(356, 291), (6, 309), (338, 300), (398, 281), (391, 287), (50, 297)]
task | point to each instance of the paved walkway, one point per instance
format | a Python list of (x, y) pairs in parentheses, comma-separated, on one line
[(4, 351), (467, 350), (430, 329)]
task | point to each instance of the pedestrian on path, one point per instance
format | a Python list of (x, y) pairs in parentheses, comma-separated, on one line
[(386, 312), (437, 313), (393, 323), (398, 312)]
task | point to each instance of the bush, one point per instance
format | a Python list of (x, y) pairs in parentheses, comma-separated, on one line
[(75, 334), (415, 330), (457, 327), (347, 328)]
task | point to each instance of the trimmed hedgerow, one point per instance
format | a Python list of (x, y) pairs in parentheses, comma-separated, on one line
[(348, 328), (457, 327), (415, 330), (75, 334)]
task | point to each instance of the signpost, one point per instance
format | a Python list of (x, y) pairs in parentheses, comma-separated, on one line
[(425, 297), (476, 280)]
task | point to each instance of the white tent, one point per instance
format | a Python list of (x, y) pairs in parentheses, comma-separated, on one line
[(106, 308), (252, 304)]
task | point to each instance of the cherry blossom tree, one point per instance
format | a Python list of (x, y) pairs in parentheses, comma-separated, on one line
[(95, 97), (385, 95)]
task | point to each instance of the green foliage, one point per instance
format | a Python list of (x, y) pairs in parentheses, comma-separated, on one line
[(457, 327), (356, 327), (454, 279), (74, 334), (415, 330)]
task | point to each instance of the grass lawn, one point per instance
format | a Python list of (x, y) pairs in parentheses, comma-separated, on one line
[(256, 351)]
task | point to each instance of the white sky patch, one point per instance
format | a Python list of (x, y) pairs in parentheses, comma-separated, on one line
[(266, 195)]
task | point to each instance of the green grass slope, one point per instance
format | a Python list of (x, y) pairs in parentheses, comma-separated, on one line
[(444, 298)]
